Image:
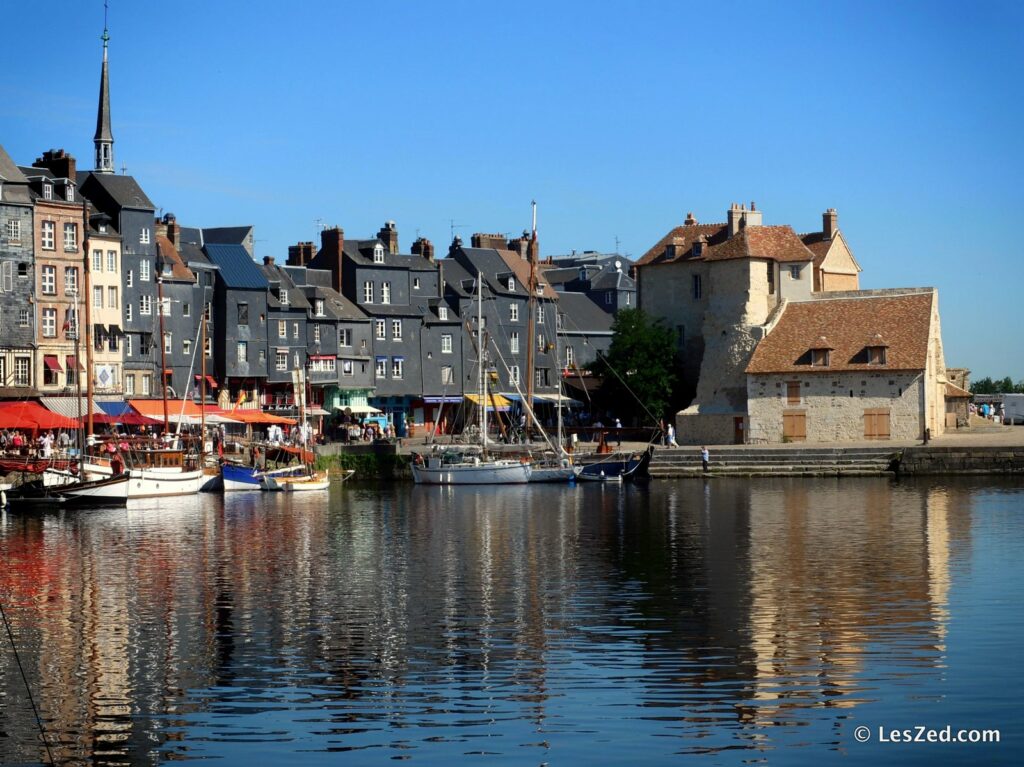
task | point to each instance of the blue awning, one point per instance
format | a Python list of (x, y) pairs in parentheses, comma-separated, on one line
[(115, 407), (439, 400)]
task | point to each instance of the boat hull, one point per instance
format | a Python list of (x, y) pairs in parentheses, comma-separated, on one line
[(483, 473), (155, 482), (635, 467), (240, 478), (553, 473)]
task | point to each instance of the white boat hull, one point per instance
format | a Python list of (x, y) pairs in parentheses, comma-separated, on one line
[(111, 491), (553, 473), (155, 482), (482, 473)]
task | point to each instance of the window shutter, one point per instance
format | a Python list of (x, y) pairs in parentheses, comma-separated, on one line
[(7, 277)]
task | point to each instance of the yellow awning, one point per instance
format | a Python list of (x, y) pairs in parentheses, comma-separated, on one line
[(493, 400)]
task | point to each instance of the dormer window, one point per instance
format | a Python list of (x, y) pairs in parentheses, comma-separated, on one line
[(583, 275), (47, 191), (876, 355), (511, 284), (698, 249), (540, 290), (819, 358), (442, 312), (282, 295), (378, 254), (319, 307), (70, 192)]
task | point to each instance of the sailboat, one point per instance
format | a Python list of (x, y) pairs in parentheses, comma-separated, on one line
[(302, 480), (471, 467)]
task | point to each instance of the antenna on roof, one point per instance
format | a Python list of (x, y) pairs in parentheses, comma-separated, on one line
[(124, 169), (453, 226), (617, 241)]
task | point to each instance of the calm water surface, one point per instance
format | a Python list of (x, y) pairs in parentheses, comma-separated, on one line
[(730, 621)]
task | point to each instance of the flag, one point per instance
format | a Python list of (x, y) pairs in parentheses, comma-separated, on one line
[(241, 399)]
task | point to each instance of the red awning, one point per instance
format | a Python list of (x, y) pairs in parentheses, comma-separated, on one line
[(322, 357), (51, 362), (32, 416), (168, 371), (72, 361), (209, 381)]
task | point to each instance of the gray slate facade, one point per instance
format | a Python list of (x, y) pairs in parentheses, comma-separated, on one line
[(17, 283)]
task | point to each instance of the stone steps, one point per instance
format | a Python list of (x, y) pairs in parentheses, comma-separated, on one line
[(787, 462)]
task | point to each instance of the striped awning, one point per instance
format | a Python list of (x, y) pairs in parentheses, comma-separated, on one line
[(493, 400), (69, 406)]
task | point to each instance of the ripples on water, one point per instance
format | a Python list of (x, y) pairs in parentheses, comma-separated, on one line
[(735, 621)]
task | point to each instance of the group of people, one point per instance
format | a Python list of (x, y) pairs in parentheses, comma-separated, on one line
[(991, 411), (13, 440)]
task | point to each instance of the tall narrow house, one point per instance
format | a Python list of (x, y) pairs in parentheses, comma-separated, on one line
[(17, 322)]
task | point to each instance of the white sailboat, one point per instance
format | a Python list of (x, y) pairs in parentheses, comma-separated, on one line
[(303, 480), (471, 467)]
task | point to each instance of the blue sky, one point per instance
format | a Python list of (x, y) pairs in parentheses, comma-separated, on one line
[(617, 118)]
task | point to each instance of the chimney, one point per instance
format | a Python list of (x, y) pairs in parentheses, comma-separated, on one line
[(456, 244), (388, 234), (160, 227), (690, 220), (173, 230), (332, 253), (269, 260), (300, 254), (829, 223), (733, 218), (521, 245), (58, 162), (423, 247), (739, 218), (496, 241)]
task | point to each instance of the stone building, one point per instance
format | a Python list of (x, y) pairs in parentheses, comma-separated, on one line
[(847, 366), (17, 285), (103, 292)]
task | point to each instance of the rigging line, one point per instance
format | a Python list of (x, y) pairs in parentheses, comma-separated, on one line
[(526, 405), (626, 385), (28, 688)]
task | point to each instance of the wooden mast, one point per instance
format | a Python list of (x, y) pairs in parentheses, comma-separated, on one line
[(163, 343), (531, 322), (202, 391), (89, 331)]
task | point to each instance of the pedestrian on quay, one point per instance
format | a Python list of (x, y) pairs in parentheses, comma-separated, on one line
[(670, 436), (618, 431), (705, 457)]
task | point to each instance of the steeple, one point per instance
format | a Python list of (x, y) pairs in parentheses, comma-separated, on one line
[(104, 139)]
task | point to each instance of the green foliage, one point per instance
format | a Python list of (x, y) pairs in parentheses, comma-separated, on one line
[(638, 370), (1005, 386)]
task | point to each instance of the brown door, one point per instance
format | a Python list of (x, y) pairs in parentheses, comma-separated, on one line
[(876, 423), (794, 425), (737, 430)]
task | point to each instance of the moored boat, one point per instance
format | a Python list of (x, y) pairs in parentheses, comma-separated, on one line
[(454, 467), (618, 469)]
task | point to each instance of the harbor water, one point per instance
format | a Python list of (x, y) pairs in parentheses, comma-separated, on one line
[(728, 621)]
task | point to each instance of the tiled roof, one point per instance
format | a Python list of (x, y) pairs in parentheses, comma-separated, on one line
[(170, 254), (778, 243), (848, 324), (236, 268), (955, 392), (683, 236), (818, 245)]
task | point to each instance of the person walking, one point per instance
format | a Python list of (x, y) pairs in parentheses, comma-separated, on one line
[(705, 457), (670, 438), (618, 431)]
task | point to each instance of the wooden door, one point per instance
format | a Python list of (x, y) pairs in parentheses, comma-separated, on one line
[(876, 423), (737, 430), (794, 425)]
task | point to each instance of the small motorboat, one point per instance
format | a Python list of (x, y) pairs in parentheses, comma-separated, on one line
[(617, 469)]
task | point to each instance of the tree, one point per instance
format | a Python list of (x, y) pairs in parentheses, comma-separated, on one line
[(638, 368)]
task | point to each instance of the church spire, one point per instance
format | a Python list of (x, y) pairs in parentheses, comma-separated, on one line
[(104, 139)]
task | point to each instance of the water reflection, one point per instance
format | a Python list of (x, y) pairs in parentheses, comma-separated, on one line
[(599, 623)]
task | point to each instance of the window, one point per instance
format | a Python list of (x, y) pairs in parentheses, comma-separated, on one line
[(513, 375), (447, 374), (97, 261), (168, 343), (382, 367), (49, 286), (446, 343), (112, 297), (165, 307), (49, 235), (770, 266), (242, 351), (97, 297), (243, 314), (396, 367), (282, 295), (415, 283), (542, 344), (147, 384), (540, 315), (23, 318), (442, 312), (819, 357), (570, 357), (71, 280), (145, 305), (208, 347), (129, 383), (282, 329), (344, 337), (876, 355), (316, 333), (111, 260), (22, 271), (378, 254), (628, 299), (323, 365), (21, 371), (792, 392), (385, 293), (128, 312), (208, 312), (281, 360), (263, 357), (396, 330), (112, 343), (347, 368), (319, 307), (71, 237), (47, 191), (513, 313), (144, 236), (513, 343), (145, 344), (794, 271), (7, 275), (49, 323), (696, 286), (72, 370), (511, 283), (367, 292), (143, 270), (127, 345), (381, 329), (295, 330), (70, 192), (129, 279), (608, 298), (14, 230), (186, 309)]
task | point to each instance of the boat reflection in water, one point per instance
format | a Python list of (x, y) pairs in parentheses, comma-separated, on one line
[(599, 623)]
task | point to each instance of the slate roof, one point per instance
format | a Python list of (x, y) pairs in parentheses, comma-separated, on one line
[(9, 170), (124, 191), (361, 252), (277, 275), (15, 185), (492, 263), (582, 315), (226, 235), (611, 278), (236, 268), (848, 324), (454, 275), (170, 254)]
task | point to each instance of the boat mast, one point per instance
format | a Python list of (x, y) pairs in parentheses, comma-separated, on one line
[(89, 337), (76, 329), (481, 379), (163, 342), (531, 321), (202, 390)]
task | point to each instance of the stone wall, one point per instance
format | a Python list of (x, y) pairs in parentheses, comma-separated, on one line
[(694, 428), (962, 460), (834, 404)]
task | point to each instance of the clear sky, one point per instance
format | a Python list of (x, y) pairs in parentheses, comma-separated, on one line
[(618, 118)]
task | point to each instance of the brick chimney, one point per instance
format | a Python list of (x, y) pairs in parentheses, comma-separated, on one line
[(173, 230), (521, 245), (739, 218), (423, 247), (690, 220), (332, 254), (159, 227), (388, 234), (58, 162), (300, 254), (480, 240), (829, 223), (268, 260), (456, 244)]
